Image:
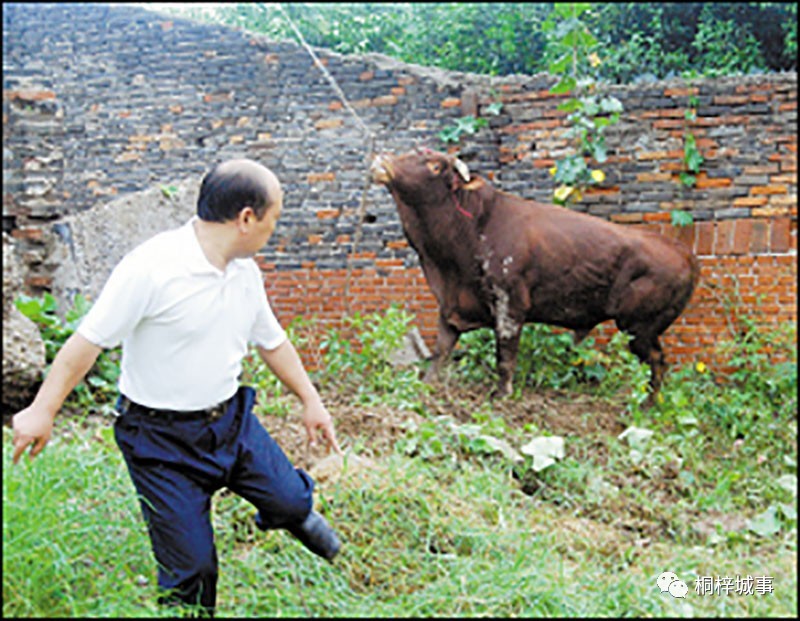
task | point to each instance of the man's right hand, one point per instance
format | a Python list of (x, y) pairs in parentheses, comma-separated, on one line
[(34, 427)]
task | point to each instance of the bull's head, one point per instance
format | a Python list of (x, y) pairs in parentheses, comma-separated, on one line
[(421, 175)]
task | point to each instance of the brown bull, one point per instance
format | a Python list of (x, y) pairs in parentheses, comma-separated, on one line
[(497, 260)]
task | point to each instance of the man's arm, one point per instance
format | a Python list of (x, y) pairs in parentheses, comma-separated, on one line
[(34, 424), (287, 366)]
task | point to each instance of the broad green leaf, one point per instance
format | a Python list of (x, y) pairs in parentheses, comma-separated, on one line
[(636, 437), (788, 482), (789, 510), (494, 108), (561, 65), (566, 85), (610, 104), (544, 450), (765, 524), (694, 160), (570, 105), (681, 218)]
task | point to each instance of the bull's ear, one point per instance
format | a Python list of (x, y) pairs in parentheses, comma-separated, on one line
[(462, 169)]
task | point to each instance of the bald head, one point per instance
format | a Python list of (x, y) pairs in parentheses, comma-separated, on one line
[(233, 185)]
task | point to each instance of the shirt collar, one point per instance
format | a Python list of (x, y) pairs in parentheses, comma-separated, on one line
[(196, 259)]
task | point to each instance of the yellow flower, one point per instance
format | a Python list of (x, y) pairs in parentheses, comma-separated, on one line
[(599, 176), (701, 367), (594, 59), (562, 192), (553, 170)]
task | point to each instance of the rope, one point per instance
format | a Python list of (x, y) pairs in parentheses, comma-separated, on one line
[(370, 150)]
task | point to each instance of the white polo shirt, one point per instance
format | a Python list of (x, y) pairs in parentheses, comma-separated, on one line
[(184, 325)]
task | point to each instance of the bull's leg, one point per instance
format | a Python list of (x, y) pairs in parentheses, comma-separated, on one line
[(648, 350), (507, 345), (446, 339), (579, 335)]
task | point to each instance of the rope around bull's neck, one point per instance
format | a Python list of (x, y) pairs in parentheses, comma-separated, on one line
[(370, 152)]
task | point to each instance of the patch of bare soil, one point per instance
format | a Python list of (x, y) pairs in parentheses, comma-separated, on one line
[(373, 430), (369, 432)]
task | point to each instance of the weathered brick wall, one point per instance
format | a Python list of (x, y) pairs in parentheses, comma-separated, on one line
[(102, 100)]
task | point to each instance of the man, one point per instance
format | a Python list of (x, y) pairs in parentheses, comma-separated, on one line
[(185, 304)]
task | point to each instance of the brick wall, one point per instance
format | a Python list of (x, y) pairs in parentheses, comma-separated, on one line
[(100, 101)]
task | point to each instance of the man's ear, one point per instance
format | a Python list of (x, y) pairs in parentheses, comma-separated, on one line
[(246, 217)]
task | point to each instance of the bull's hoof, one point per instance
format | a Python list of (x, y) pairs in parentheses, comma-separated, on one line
[(499, 393), (430, 376), (650, 401)]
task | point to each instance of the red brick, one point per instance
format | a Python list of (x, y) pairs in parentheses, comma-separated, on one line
[(724, 241), (320, 177), (328, 124), (654, 155), (650, 177), (451, 102), (626, 218), (704, 238), (769, 189), (685, 234), (386, 100), (771, 212), (681, 92), (742, 234), (760, 237), (726, 100), (31, 234), (43, 282), (780, 235), (720, 182), (670, 113), (667, 123), (750, 201), (29, 95), (327, 214), (662, 216), (388, 263)]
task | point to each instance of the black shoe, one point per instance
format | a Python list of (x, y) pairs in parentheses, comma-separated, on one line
[(315, 534)]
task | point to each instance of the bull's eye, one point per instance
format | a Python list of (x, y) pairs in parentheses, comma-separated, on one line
[(435, 167)]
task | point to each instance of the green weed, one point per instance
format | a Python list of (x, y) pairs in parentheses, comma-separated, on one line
[(99, 390), (454, 519)]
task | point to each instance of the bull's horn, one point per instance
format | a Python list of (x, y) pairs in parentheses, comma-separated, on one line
[(462, 169)]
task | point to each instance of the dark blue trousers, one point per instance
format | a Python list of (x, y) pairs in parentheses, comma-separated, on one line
[(176, 466)]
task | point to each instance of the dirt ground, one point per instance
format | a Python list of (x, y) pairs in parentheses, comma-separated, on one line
[(374, 430)]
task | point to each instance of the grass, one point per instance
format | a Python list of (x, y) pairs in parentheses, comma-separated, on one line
[(420, 540), (445, 523)]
